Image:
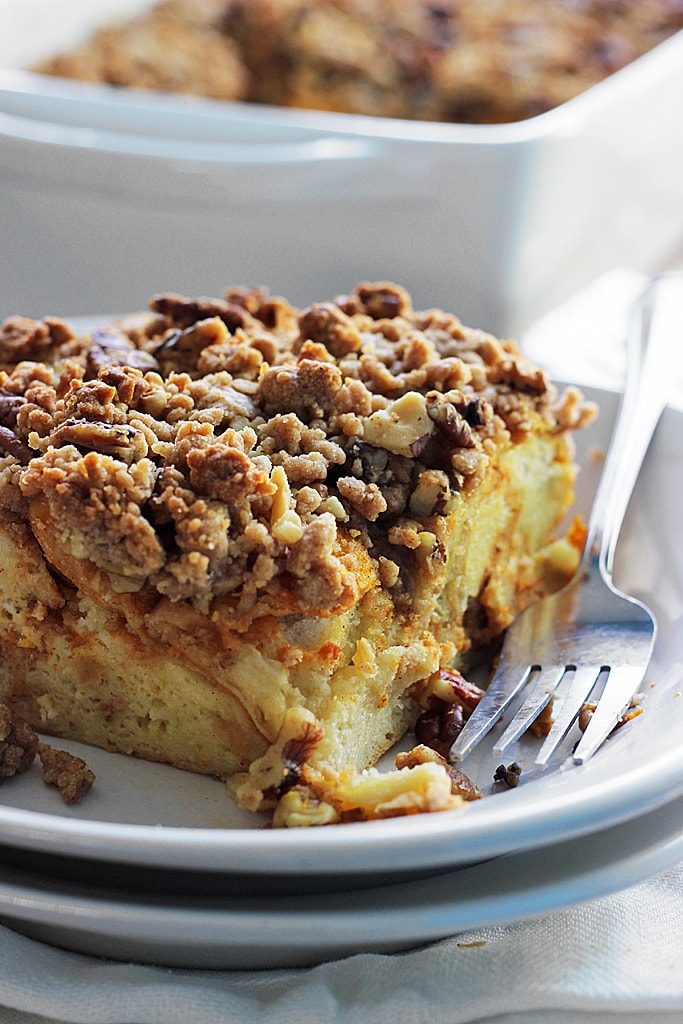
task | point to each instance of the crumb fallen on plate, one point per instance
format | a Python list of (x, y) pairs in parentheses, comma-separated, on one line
[(70, 774), (19, 745), (588, 709), (509, 774)]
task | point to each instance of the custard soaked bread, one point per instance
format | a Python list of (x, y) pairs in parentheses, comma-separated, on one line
[(250, 541)]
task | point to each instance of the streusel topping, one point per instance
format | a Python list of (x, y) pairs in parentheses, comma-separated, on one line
[(240, 449)]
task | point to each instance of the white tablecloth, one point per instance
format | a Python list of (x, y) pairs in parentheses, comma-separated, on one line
[(616, 958), (618, 955)]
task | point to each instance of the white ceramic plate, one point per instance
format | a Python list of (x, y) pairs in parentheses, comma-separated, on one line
[(209, 932), (151, 816)]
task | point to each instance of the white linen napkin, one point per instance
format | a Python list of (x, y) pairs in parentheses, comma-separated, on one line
[(617, 957)]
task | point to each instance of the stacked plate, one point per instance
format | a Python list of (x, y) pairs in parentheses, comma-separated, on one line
[(159, 866), (110, 196)]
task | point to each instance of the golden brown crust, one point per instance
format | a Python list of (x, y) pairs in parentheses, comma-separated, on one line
[(481, 61)]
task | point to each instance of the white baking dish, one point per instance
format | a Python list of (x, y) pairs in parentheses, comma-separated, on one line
[(108, 196)]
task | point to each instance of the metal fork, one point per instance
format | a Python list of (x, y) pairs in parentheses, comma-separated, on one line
[(567, 645)]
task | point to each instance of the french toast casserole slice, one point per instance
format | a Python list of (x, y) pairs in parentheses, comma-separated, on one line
[(257, 542)]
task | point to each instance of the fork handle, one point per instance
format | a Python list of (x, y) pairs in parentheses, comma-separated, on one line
[(654, 347)]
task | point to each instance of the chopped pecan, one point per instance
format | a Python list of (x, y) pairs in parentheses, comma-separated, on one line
[(521, 375), (461, 785), (449, 421), (448, 699), (116, 439), (182, 350), (475, 411), (440, 726), (111, 347), (402, 428), (463, 691), (380, 301), (10, 444), (369, 463), (182, 313), (251, 299), (9, 407)]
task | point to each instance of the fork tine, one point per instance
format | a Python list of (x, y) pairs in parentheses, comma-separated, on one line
[(583, 681), (590, 618), (506, 684), (543, 691), (512, 674), (619, 690)]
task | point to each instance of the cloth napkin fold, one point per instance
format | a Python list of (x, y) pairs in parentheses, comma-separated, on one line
[(615, 958)]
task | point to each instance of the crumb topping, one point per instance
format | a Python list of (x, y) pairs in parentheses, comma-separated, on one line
[(242, 450), (70, 774)]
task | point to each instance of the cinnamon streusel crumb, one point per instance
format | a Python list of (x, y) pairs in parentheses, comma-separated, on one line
[(207, 484), (70, 774)]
